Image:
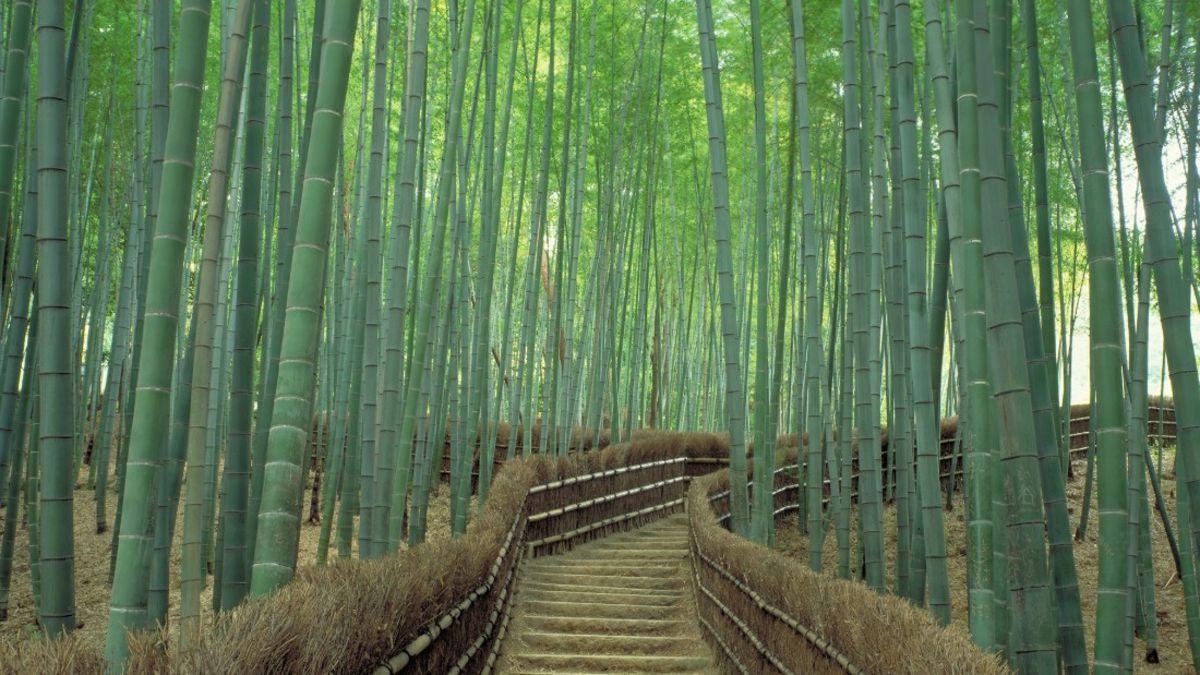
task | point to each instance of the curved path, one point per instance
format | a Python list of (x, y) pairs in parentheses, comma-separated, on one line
[(621, 604)]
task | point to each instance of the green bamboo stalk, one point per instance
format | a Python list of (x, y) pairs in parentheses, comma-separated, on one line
[(527, 411), (168, 484), (13, 480), (56, 609), (870, 508), (98, 303), (235, 481), (118, 365), (1041, 369), (1141, 611), (939, 291), (555, 346), (160, 90), (411, 467), (19, 315), (1041, 199), (21, 360), (287, 239), (32, 489), (279, 521), (1163, 93), (875, 260), (446, 186), (371, 420), (350, 493), (339, 355), (353, 367), (127, 609), (764, 465), (216, 417), (204, 427), (958, 140), (1161, 252), (1024, 591), (392, 449), (494, 164), (888, 229), (1188, 558), (575, 370), (334, 471), (734, 393), (16, 58), (924, 406)]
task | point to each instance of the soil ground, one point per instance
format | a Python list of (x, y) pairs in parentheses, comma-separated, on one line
[(1172, 628), (92, 561)]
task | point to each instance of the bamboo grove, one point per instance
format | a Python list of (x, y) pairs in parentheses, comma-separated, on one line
[(271, 267)]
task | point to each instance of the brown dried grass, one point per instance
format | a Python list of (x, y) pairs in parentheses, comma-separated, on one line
[(64, 656), (878, 633), (21, 643), (350, 616), (1173, 650)]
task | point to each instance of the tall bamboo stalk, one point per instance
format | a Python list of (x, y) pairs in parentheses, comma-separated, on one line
[(392, 441), (235, 481), (1109, 410), (16, 64), (56, 608), (734, 396), (279, 518), (150, 416), (927, 430)]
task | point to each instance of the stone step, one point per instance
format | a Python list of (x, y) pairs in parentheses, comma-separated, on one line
[(659, 528), (592, 625), (572, 671), (619, 604), (647, 544), (613, 589), (607, 597), (569, 576), (628, 556), (617, 610), (605, 663), (600, 644), (603, 567)]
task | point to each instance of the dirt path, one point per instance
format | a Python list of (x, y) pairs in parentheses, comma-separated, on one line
[(618, 604)]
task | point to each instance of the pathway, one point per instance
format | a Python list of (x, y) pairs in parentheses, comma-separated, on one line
[(621, 604)]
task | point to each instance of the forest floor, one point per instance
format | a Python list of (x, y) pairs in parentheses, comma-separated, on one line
[(1173, 648), (92, 561), (93, 550)]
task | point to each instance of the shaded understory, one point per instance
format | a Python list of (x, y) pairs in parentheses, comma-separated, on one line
[(1173, 649)]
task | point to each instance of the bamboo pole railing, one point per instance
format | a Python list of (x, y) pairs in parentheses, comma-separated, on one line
[(559, 514)]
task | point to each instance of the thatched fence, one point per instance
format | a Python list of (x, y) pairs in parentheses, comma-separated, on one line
[(1160, 422), (444, 606), (766, 612)]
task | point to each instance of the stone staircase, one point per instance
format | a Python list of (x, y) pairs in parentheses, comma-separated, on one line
[(622, 604)]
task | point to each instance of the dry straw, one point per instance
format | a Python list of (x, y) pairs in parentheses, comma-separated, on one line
[(767, 612), (353, 616), (760, 609)]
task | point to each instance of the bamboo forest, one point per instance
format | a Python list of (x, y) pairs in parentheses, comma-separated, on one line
[(604, 336)]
